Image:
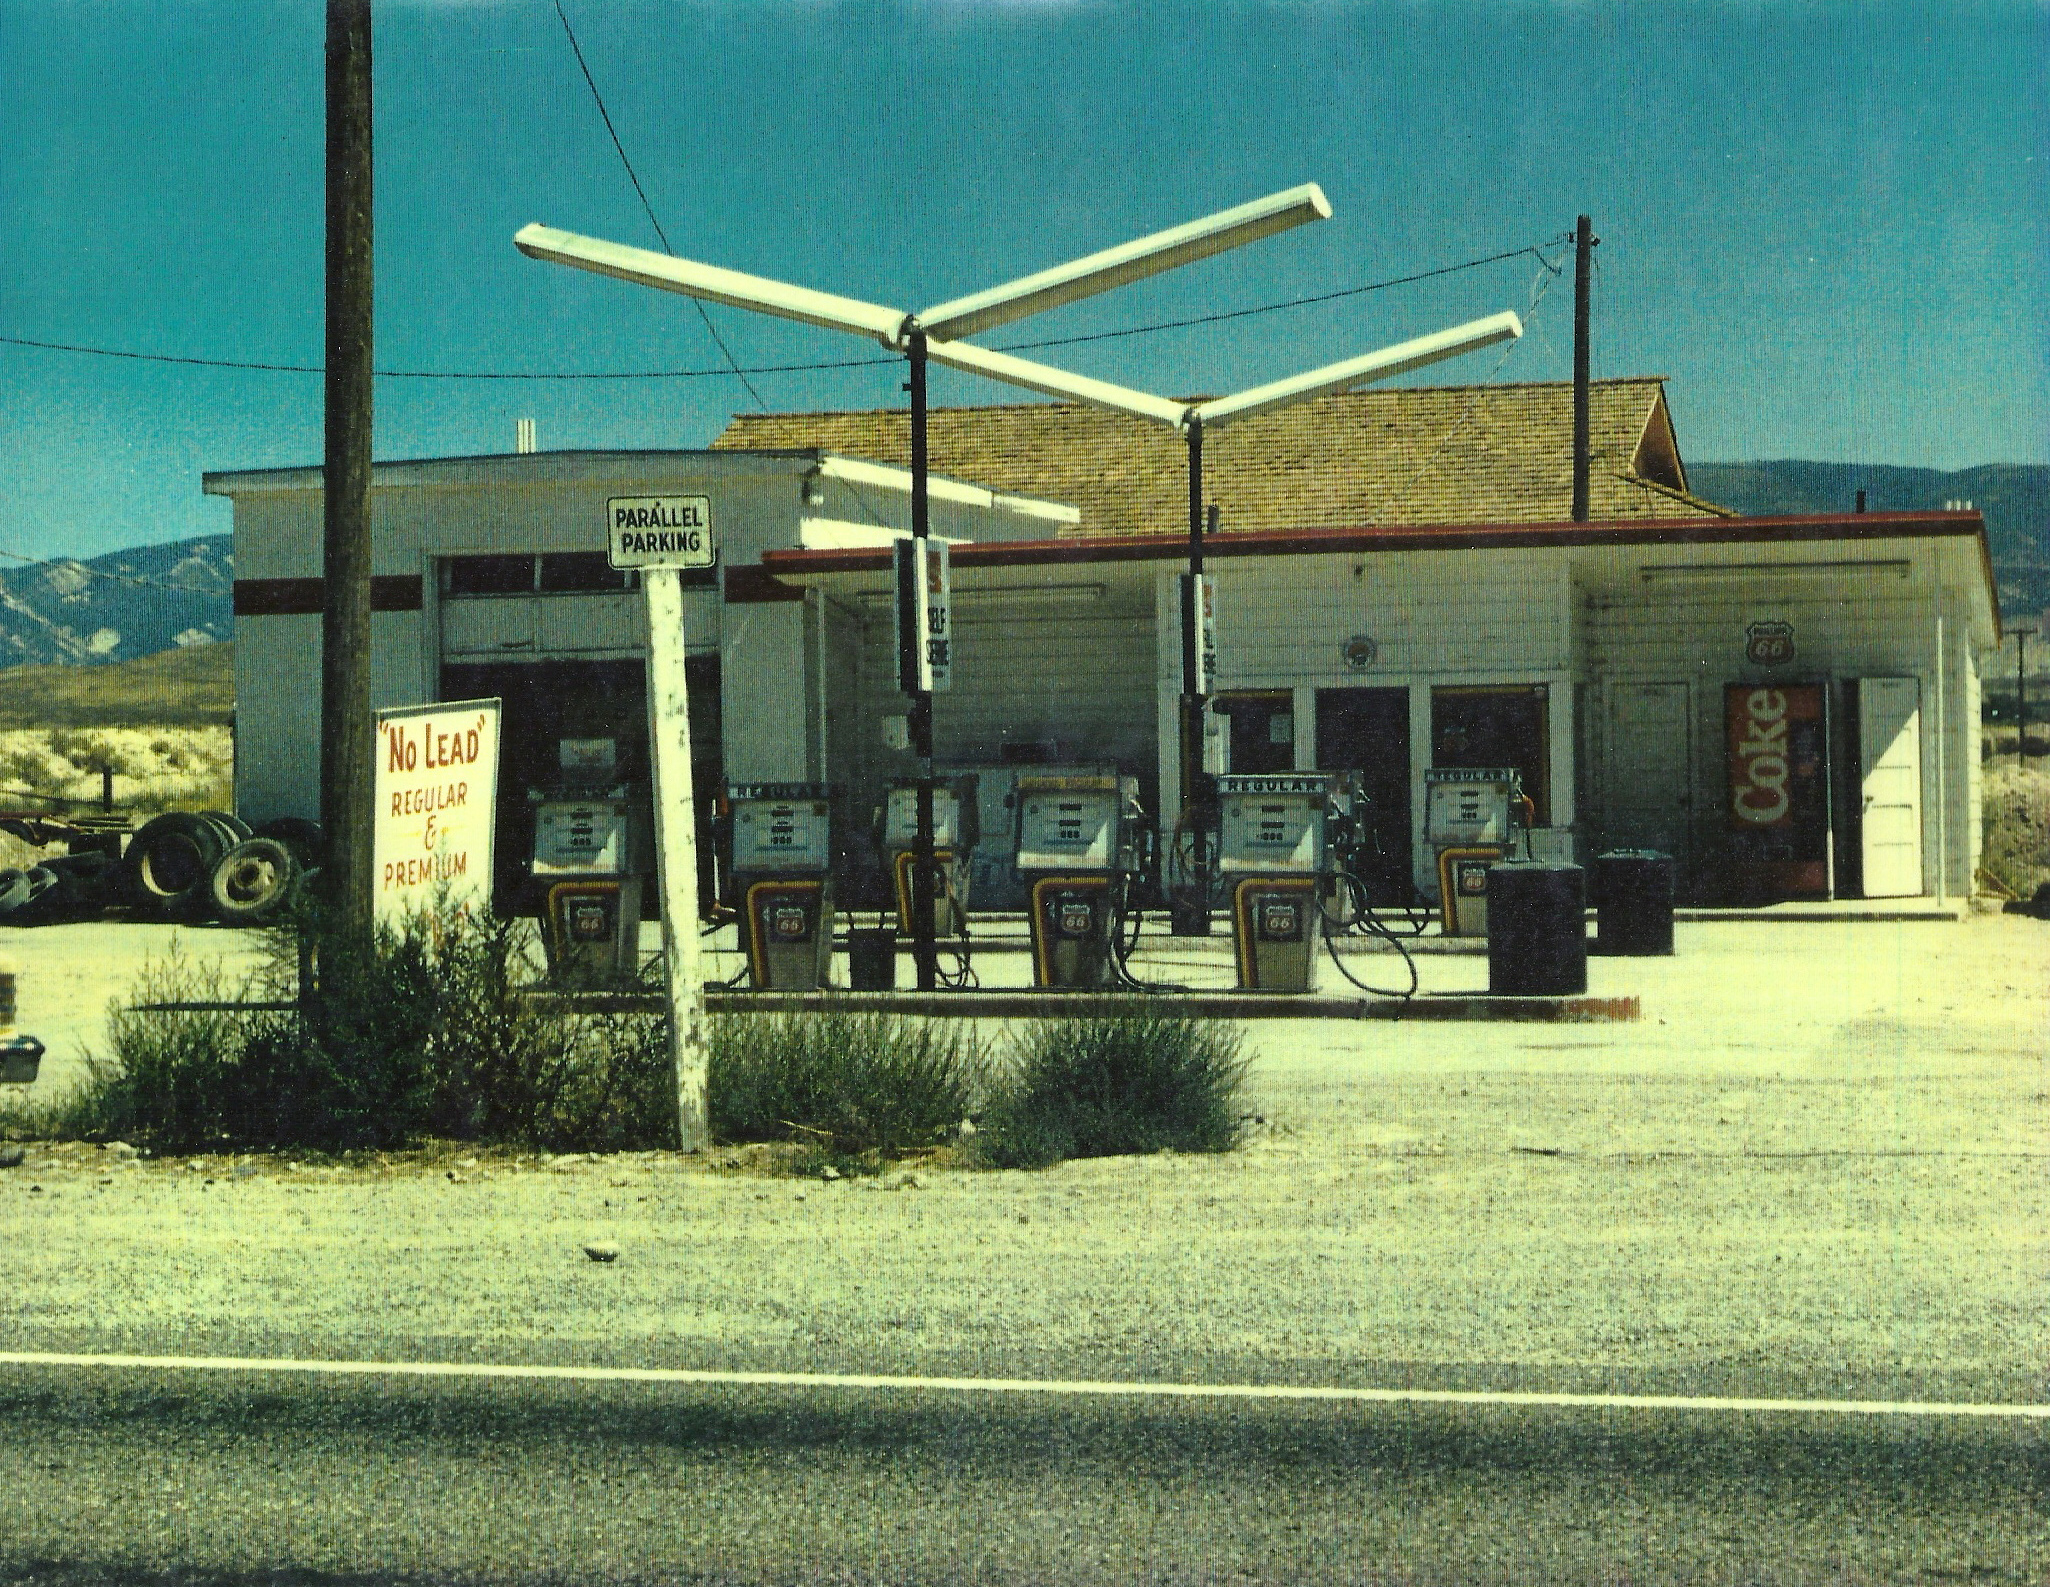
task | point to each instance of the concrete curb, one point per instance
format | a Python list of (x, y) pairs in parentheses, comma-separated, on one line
[(1023, 1004)]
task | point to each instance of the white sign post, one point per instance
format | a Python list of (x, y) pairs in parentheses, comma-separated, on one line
[(436, 791), (661, 536)]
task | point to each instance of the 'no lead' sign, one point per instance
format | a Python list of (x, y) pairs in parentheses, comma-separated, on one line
[(660, 532)]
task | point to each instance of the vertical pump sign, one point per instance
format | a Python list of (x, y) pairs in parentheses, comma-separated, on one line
[(1199, 602), (925, 637), (437, 803)]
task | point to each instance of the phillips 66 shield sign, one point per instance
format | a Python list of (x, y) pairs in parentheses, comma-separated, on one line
[(437, 801)]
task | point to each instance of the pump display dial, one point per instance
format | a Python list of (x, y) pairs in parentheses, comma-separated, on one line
[(781, 835), (1271, 832)]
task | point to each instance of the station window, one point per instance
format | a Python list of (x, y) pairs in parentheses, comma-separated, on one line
[(1262, 729), (1497, 725), (581, 570), (497, 574)]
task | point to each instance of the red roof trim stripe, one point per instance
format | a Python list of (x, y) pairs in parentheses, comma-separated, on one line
[(1406, 537)]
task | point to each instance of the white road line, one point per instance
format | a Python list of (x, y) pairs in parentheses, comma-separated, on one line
[(1054, 1386)]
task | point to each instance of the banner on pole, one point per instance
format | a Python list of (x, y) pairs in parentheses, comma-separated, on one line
[(1199, 600), (436, 792), (925, 637)]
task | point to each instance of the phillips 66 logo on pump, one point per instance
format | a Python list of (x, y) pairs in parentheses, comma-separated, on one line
[(1778, 796), (925, 634)]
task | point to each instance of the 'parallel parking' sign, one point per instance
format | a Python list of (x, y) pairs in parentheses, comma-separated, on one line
[(660, 532)]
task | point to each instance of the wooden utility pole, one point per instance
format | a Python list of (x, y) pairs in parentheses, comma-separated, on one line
[(1584, 240), (345, 741), (2021, 690)]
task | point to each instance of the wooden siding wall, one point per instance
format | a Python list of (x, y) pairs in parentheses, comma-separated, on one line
[(277, 705), (1871, 625), (1444, 620), (1081, 677), (763, 690)]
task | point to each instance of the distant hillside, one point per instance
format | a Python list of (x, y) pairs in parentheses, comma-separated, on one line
[(2015, 497), (187, 686), (118, 606)]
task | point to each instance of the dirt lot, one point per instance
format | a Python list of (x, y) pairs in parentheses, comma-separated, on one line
[(1816, 1166)]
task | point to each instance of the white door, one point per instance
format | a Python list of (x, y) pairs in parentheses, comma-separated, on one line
[(1648, 780), (1890, 755)]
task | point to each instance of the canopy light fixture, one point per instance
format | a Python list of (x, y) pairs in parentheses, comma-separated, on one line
[(1079, 278), (1127, 262), (1752, 572), (644, 267), (1388, 362)]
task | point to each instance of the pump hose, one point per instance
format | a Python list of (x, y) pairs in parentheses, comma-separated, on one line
[(1121, 949), (963, 976), (1376, 927)]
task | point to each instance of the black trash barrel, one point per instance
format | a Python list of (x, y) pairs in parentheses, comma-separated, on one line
[(1633, 902), (872, 960), (1537, 931)]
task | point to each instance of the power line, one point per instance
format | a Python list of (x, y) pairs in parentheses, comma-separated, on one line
[(113, 578), (439, 374), (773, 369), (1292, 303), (599, 99)]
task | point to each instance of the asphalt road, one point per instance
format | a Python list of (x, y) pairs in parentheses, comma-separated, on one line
[(211, 1481)]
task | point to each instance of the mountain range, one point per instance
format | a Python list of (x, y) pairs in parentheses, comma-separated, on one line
[(118, 606), (161, 597), (2015, 497)]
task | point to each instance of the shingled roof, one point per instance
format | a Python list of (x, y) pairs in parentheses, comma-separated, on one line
[(1438, 454)]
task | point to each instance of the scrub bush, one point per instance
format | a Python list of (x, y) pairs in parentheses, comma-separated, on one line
[(421, 1032), (2015, 811), (1141, 1080), (850, 1084)]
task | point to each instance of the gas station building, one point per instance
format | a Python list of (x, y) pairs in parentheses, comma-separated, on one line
[(1399, 587)]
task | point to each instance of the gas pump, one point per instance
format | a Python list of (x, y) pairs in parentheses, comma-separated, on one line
[(779, 861), (1271, 851), (1075, 853), (1471, 818), (585, 857), (955, 830)]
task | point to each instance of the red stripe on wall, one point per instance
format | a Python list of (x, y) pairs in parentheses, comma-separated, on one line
[(389, 592)]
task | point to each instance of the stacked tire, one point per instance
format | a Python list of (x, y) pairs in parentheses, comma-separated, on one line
[(170, 862), (257, 878), (62, 887), (187, 866)]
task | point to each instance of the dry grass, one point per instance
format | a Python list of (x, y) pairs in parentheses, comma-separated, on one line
[(155, 768), (2017, 826), (193, 687)]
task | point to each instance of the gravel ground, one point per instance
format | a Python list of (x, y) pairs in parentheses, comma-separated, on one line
[(1817, 1166)]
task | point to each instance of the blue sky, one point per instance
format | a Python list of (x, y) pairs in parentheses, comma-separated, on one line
[(1828, 225)]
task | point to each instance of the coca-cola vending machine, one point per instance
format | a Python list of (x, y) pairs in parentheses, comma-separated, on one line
[(1777, 800)]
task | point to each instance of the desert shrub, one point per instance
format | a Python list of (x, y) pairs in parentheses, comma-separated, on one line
[(848, 1083), (422, 1031), (1143, 1079), (25, 768), (2015, 847), (90, 752)]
